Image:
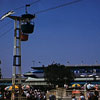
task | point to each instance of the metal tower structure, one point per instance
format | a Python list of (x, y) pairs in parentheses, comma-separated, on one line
[(16, 74), (22, 27)]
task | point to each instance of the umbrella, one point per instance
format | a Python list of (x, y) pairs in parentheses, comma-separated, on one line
[(76, 85), (9, 88), (25, 87), (6, 88), (90, 86)]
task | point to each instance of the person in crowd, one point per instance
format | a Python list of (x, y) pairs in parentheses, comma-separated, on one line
[(82, 97), (28, 95), (1, 96), (96, 95), (73, 97), (7, 95), (96, 92), (90, 95), (52, 97)]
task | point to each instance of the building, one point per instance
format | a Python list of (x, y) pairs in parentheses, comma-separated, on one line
[(83, 73), (86, 73), (36, 72)]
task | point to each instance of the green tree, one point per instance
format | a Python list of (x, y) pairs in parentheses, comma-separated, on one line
[(58, 74)]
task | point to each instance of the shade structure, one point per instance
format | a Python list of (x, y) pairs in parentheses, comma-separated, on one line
[(76, 85), (9, 88)]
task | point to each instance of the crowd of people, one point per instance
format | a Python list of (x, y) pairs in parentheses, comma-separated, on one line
[(27, 94), (31, 93), (90, 95), (34, 95)]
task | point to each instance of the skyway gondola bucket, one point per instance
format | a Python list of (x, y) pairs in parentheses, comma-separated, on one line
[(24, 37), (27, 25), (27, 28)]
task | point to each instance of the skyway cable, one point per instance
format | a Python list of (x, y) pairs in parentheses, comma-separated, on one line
[(59, 6)]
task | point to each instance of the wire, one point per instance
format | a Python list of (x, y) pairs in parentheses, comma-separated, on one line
[(3, 34), (59, 6), (24, 5), (34, 2), (3, 26), (41, 11)]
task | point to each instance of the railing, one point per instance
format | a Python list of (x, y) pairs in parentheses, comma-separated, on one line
[(63, 94)]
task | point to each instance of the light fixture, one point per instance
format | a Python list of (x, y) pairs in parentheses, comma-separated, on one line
[(7, 14)]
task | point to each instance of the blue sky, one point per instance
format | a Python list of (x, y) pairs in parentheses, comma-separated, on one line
[(70, 33)]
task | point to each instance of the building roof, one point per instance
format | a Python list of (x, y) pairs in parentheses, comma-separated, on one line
[(72, 66), (35, 79)]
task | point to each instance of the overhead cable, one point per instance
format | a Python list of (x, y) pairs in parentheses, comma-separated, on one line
[(10, 21), (3, 34), (24, 5), (41, 11), (5, 24), (59, 6)]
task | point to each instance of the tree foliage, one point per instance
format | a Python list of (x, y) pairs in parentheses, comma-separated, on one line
[(58, 74)]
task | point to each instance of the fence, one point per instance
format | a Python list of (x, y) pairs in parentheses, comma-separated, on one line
[(63, 94)]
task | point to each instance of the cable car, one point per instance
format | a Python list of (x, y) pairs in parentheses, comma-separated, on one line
[(27, 26), (24, 37)]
